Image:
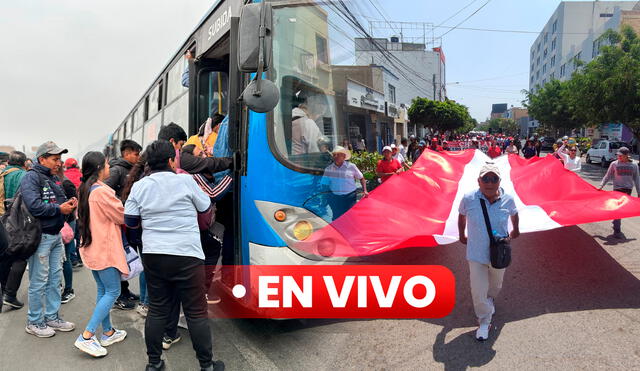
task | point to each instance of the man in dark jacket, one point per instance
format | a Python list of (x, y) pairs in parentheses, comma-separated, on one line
[(119, 169), (46, 202)]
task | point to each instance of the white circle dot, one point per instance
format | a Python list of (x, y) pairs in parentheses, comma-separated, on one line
[(239, 291)]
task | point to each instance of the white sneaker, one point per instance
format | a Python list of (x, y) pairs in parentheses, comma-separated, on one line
[(116, 337), (40, 330), (482, 333), (142, 310), (90, 346)]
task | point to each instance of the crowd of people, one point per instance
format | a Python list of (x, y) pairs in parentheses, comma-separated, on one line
[(157, 205)]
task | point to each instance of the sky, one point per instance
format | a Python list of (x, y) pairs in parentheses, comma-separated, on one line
[(70, 70)]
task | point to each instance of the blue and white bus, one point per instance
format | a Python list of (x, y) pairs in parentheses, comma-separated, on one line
[(277, 200)]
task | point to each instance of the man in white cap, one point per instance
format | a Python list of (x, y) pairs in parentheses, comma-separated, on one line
[(341, 177), (485, 281), (388, 165), (395, 154), (46, 201)]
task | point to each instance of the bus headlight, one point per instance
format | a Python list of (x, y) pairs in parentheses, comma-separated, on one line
[(302, 230)]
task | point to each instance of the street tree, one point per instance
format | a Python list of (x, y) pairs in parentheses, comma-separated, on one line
[(553, 107), (439, 116), (500, 125)]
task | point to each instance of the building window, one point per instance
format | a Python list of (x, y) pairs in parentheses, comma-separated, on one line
[(532, 78), (546, 36), (576, 59), (553, 76), (553, 44), (544, 55), (544, 81), (562, 69), (553, 61), (392, 94), (538, 48), (538, 74), (544, 68), (538, 61), (606, 15), (321, 48), (555, 26)]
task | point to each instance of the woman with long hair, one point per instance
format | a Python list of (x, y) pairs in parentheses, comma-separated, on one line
[(100, 217)]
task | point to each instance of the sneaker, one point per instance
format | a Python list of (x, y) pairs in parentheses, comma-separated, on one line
[(124, 304), (67, 296), (215, 366), (157, 367), (482, 333), (168, 341), (90, 346), (12, 301), (77, 264), (116, 337), (40, 330), (133, 297), (59, 324), (213, 299), (142, 310)]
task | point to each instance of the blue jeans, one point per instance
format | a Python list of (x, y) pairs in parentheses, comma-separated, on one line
[(144, 296), (108, 283), (67, 270), (45, 274)]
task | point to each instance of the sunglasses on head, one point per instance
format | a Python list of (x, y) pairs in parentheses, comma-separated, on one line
[(490, 179)]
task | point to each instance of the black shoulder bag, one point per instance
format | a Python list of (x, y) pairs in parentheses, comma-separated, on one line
[(499, 248)]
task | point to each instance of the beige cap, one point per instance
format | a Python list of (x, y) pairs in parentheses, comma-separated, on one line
[(490, 167)]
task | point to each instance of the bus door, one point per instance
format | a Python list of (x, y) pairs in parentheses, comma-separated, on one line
[(211, 100)]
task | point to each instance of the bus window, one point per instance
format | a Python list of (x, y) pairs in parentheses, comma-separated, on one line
[(305, 127), (138, 118), (174, 82), (178, 112), (213, 94)]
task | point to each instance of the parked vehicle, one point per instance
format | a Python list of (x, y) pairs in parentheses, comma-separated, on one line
[(546, 143), (604, 152)]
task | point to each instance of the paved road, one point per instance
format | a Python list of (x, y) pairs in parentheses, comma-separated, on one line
[(570, 301)]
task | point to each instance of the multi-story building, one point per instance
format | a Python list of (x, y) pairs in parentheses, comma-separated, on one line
[(574, 32), (499, 110), (412, 71)]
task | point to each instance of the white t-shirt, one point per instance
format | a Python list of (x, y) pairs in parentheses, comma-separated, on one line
[(168, 205), (304, 133)]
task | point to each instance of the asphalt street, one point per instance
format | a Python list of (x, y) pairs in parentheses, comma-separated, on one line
[(570, 301)]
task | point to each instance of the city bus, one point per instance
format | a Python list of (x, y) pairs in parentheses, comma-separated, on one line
[(278, 198)]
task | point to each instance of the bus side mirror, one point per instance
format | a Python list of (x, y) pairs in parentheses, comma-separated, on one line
[(254, 37), (254, 56)]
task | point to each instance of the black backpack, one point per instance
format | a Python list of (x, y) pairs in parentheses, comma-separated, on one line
[(23, 229)]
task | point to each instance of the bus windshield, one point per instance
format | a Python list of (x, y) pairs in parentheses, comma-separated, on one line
[(306, 126)]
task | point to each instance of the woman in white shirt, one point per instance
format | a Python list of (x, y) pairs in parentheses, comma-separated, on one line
[(571, 161)]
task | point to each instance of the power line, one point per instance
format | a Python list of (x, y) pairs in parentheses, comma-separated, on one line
[(456, 13), (466, 19)]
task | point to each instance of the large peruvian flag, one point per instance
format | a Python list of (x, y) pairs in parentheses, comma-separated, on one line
[(420, 207)]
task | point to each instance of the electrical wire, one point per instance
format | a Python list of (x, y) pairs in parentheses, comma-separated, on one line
[(466, 19), (456, 13)]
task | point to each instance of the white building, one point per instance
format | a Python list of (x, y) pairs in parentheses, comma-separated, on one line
[(572, 33), (416, 71)]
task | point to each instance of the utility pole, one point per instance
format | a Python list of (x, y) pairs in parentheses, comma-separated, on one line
[(434, 86)]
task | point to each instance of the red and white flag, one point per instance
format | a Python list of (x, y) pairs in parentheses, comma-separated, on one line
[(420, 207)]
